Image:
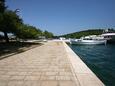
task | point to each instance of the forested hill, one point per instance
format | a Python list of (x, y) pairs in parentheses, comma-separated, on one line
[(85, 33)]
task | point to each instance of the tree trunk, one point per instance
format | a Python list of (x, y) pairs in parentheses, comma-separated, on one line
[(6, 37)]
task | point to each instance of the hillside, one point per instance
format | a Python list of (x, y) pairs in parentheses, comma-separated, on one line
[(85, 33)]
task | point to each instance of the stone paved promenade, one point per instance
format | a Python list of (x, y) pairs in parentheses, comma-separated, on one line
[(46, 65)]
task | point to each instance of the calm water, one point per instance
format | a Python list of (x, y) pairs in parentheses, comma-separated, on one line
[(100, 59)]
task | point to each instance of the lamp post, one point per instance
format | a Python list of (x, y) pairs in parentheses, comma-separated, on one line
[(17, 10)]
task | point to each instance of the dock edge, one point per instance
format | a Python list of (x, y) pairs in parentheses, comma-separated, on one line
[(83, 75)]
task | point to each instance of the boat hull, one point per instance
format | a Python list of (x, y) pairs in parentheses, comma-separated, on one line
[(110, 37), (112, 40), (89, 42)]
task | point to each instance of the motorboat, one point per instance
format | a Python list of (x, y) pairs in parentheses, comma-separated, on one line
[(89, 40), (110, 37)]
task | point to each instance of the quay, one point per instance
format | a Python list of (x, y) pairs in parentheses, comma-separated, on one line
[(52, 64)]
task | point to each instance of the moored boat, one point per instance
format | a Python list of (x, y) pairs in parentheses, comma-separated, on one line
[(110, 37), (89, 40)]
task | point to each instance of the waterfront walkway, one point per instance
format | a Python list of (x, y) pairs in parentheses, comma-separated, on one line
[(46, 65)]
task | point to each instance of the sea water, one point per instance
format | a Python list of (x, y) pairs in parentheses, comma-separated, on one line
[(100, 59)]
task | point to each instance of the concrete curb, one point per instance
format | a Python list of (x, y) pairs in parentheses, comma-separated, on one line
[(82, 73)]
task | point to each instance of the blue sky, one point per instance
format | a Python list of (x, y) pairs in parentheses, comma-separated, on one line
[(66, 16)]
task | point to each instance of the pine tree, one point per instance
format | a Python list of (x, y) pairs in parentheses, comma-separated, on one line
[(2, 6)]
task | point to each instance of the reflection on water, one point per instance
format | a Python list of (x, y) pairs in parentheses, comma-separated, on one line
[(100, 59)]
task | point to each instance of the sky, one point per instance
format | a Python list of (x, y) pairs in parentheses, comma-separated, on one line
[(65, 16)]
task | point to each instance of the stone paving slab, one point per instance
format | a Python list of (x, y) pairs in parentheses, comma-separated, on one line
[(46, 65)]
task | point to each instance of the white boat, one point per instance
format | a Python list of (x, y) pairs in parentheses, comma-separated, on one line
[(89, 40), (110, 37)]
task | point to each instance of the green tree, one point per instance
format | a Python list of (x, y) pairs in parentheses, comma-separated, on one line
[(48, 34), (83, 33), (2, 6), (9, 20), (28, 32), (9, 23)]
